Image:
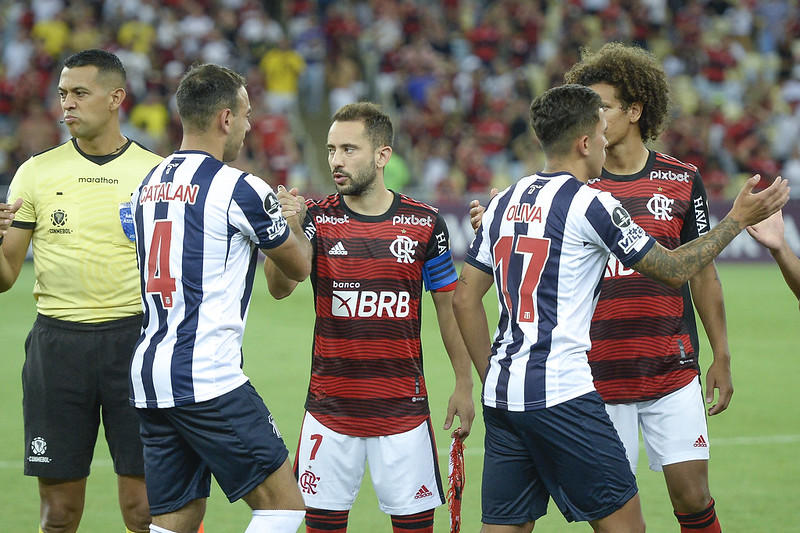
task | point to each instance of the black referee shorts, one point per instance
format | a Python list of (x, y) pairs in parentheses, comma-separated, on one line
[(76, 374)]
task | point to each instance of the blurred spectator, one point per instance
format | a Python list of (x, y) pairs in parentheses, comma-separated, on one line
[(282, 67), (459, 75)]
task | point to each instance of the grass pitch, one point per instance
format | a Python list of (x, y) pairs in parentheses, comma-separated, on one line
[(754, 470)]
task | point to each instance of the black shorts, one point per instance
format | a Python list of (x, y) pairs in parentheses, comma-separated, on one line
[(74, 373), (233, 437), (570, 452)]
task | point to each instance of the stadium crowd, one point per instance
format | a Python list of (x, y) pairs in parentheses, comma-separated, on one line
[(457, 76)]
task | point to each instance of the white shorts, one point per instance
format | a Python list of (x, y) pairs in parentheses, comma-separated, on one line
[(404, 468), (674, 428)]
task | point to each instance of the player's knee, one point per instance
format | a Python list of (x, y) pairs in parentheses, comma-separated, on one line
[(136, 516), (57, 517), (691, 501)]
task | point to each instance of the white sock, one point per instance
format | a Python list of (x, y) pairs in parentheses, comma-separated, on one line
[(269, 521), (156, 529)]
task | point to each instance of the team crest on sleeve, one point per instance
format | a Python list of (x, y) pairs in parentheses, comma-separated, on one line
[(271, 204), (620, 217)]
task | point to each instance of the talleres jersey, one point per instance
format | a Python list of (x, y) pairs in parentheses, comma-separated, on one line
[(546, 240), (644, 335), (78, 207), (368, 275), (198, 224)]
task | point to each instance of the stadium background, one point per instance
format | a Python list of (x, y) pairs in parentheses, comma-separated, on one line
[(457, 77)]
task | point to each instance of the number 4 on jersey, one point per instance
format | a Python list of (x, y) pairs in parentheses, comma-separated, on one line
[(158, 279)]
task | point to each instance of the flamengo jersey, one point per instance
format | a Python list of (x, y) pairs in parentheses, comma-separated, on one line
[(198, 223), (644, 335), (546, 240), (368, 271), (78, 207)]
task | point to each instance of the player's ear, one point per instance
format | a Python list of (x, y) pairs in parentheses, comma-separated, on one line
[(225, 120), (635, 111), (582, 145), (383, 155)]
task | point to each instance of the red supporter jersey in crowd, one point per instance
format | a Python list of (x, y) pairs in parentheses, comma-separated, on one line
[(644, 335), (368, 272)]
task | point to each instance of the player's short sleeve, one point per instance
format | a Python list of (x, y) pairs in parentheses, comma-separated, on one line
[(256, 212), (23, 186), (309, 226), (696, 222), (617, 230), (439, 271), (479, 254)]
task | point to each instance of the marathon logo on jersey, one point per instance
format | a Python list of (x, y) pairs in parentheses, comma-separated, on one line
[(326, 219), (368, 304), (58, 219), (660, 206), (169, 192), (631, 237), (271, 204), (620, 217), (411, 220), (701, 216), (100, 180), (38, 450), (669, 175), (524, 213)]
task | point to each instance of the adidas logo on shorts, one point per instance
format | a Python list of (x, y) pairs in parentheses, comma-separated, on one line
[(338, 249), (423, 492), (700, 443)]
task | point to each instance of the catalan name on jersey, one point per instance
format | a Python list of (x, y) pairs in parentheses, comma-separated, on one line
[(198, 225)]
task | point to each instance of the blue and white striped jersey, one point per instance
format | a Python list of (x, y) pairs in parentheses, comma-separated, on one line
[(198, 223), (546, 240)]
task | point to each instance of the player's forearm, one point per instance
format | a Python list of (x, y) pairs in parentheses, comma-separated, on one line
[(278, 284), (676, 267), (789, 264), (710, 304), (474, 328)]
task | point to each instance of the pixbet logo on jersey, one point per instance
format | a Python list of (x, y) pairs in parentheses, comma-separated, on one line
[(365, 304)]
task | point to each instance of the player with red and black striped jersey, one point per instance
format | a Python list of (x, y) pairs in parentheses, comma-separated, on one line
[(644, 354), (375, 251), (657, 353)]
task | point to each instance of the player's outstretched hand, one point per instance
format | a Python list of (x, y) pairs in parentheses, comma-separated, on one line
[(476, 210), (7, 213), (769, 232), (751, 208)]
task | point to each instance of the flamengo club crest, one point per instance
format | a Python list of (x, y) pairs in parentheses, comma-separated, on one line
[(403, 249), (660, 206), (308, 482)]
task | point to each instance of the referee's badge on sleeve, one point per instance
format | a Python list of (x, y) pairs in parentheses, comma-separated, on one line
[(126, 219)]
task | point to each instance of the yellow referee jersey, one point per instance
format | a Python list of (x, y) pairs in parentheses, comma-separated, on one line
[(77, 206)]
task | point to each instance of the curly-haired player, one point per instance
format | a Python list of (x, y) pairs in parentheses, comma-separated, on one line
[(644, 354)]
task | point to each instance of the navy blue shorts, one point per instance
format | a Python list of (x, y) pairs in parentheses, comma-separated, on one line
[(570, 452), (233, 437)]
